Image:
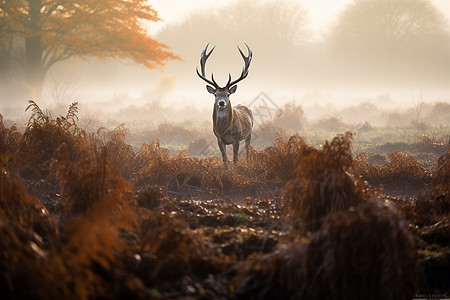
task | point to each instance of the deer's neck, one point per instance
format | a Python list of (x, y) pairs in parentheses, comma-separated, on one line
[(223, 118)]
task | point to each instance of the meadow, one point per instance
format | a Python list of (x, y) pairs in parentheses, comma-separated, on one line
[(329, 211)]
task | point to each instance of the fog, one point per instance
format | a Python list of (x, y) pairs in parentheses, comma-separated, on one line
[(362, 57)]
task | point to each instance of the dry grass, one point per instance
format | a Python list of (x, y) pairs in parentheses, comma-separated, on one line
[(178, 174), (132, 225), (433, 204), (170, 250), (362, 253), (42, 137), (366, 252), (278, 275), (25, 211), (275, 164), (403, 171), (323, 184), (9, 140), (113, 141), (98, 209), (79, 258)]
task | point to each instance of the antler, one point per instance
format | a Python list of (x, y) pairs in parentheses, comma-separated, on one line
[(203, 59), (247, 60)]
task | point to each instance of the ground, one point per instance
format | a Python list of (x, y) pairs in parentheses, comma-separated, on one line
[(89, 218)]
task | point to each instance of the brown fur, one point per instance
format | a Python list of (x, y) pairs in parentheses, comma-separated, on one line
[(231, 127)]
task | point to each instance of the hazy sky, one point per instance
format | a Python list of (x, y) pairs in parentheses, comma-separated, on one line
[(94, 82), (320, 12), (120, 79), (125, 82)]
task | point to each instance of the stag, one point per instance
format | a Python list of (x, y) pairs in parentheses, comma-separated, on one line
[(230, 124)]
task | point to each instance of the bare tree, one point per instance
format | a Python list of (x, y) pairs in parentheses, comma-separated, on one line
[(405, 34), (61, 88), (418, 105), (271, 27)]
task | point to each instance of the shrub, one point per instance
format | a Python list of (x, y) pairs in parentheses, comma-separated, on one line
[(120, 154), (9, 139), (333, 123), (178, 174), (171, 250), (361, 253), (365, 252), (170, 134), (150, 197), (198, 147), (27, 231), (276, 163), (19, 260), (323, 183), (291, 117), (22, 209), (150, 164), (402, 172), (434, 202), (90, 182), (98, 210), (266, 133), (277, 275), (42, 137)]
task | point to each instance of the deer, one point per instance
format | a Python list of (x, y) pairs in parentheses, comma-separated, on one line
[(231, 124)]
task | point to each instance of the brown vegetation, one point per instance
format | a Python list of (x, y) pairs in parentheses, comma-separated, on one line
[(384, 259), (383, 264), (403, 172), (323, 183), (292, 221)]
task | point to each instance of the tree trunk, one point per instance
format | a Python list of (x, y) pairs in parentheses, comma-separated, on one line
[(34, 67)]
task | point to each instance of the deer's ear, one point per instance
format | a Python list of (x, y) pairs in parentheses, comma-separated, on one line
[(233, 89), (210, 89)]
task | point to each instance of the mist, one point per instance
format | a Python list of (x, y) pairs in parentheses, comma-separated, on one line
[(116, 180), (358, 60)]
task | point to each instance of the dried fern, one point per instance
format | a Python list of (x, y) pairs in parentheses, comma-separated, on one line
[(72, 113), (323, 184), (37, 115), (363, 253)]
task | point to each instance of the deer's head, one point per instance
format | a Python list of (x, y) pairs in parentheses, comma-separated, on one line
[(222, 94)]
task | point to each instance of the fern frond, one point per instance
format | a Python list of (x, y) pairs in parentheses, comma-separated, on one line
[(36, 113), (72, 113)]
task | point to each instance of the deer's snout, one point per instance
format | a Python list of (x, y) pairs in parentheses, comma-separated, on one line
[(221, 103)]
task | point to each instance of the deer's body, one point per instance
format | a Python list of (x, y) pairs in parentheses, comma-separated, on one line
[(230, 124)]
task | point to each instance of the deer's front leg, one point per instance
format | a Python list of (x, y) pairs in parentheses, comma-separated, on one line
[(235, 151), (247, 145), (223, 149)]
